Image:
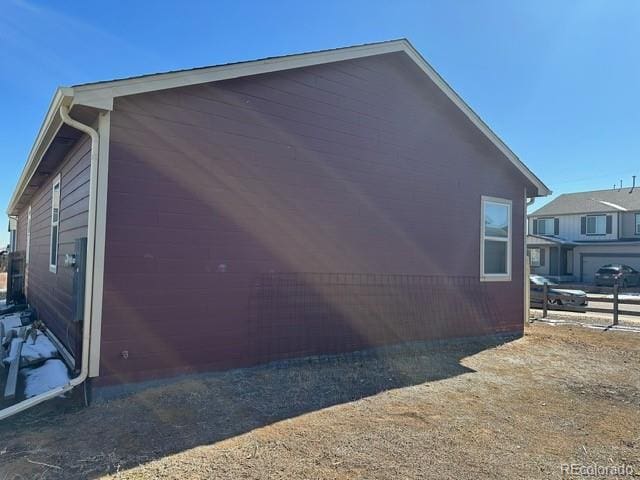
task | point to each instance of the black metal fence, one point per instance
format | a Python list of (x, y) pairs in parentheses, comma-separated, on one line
[(299, 314)]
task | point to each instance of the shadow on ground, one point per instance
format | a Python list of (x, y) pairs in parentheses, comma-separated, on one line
[(203, 409)]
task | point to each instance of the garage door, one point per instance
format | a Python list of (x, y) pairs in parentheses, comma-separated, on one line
[(590, 265)]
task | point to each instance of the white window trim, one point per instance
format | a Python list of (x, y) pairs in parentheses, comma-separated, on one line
[(545, 220), (539, 250), (28, 247), (637, 219), (53, 268), (495, 277), (586, 229)]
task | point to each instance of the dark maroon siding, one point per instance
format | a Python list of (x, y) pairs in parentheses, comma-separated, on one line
[(359, 167), (51, 293)]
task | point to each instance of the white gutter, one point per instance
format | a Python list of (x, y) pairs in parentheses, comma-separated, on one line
[(86, 328)]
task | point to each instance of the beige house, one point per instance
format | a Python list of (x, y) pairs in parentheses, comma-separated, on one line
[(572, 236)]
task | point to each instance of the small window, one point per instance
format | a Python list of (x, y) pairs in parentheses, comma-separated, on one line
[(534, 256), (596, 224), (546, 226), (55, 223), (637, 223), (495, 246), (28, 248), (12, 241)]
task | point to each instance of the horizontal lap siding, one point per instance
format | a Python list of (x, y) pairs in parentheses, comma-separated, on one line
[(360, 166), (51, 293)]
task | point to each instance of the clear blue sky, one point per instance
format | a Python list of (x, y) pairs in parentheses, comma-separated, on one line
[(558, 81)]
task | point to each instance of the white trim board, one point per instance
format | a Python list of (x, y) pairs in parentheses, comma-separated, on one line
[(100, 95), (104, 131)]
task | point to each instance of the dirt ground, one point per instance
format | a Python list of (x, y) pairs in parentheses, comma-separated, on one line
[(521, 409)]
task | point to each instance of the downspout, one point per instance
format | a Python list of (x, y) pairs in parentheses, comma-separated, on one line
[(86, 328)]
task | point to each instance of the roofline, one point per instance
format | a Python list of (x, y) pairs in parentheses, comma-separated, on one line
[(50, 126), (599, 212), (101, 94), (557, 241)]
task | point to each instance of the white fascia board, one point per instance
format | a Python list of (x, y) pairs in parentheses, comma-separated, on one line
[(46, 134), (163, 81), (106, 91), (100, 95), (543, 190)]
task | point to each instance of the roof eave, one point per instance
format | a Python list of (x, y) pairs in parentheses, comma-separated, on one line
[(100, 95), (48, 129)]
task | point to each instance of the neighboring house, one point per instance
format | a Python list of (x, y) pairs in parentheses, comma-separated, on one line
[(208, 195), (572, 236)]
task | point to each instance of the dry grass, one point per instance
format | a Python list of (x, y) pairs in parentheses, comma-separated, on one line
[(518, 410)]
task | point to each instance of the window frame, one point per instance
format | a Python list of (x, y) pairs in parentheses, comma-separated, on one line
[(496, 277), (28, 246), (545, 221), (53, 267), (586, 229), (637, 219), (531, 262)]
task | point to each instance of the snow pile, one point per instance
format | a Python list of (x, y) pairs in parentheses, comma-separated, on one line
[(11, 322), (13, 350), (52, 374), (41, 349), (627, 296)]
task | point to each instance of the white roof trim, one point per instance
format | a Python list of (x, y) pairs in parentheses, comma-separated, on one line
[(100, 95)]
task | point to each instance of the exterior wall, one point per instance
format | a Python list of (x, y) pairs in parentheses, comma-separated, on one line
[(569, 228), (542, 269), (588, 258), (51, 293), (358, 167), (628, 225)]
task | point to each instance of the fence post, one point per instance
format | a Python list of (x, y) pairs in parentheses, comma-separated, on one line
[(545, 299), (615, 303)]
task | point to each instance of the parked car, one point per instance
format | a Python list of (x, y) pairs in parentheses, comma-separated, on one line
[(623, 275), (556, 296)]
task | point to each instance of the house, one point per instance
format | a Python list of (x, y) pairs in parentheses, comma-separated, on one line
[(574, 235), (298, 205)]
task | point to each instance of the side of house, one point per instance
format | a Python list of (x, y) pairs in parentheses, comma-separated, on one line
[(242, 213), (355, 171)]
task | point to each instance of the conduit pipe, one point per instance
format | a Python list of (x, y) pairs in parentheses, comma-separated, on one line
[(88, 299)]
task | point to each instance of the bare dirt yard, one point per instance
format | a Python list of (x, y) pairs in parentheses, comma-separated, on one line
[(521, 409)]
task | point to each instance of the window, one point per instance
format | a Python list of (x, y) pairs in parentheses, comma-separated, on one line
[(637, 223), (534, 256), (596, 224), (546, 226), (26, 255), (12, 241), (495, 246), (55, 222)]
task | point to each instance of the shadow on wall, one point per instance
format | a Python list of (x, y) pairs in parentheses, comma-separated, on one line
[(169, 417)]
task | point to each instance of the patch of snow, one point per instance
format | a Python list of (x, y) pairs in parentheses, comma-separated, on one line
[(41, 349), (627, 296), (13, 350), (11, 322), (52, 374)]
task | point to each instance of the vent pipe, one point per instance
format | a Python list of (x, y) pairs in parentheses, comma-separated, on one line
[(633, 184)]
